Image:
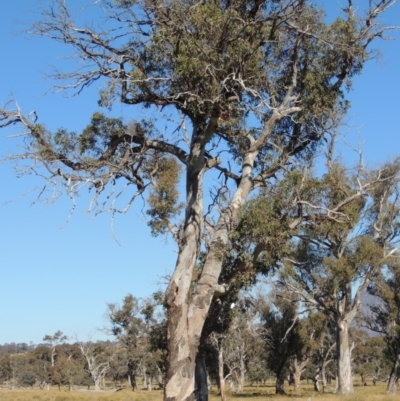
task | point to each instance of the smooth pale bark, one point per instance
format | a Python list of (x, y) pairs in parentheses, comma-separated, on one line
[(187, 313), (324, 380), (241, 374), (316, 380), (344, 374), (184, 333), (221, 374), (97, 384)]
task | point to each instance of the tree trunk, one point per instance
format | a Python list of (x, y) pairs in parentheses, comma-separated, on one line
[(221, 374), (394, 377), (188, 309), (323, 377), (97, 384), (242, 372), (296, 381), (131, 376), (201, 383), (363, 379), (280, 384), (344, 375), (297, 368), (316, 380)]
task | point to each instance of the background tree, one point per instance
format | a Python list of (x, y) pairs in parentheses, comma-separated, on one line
[(98, 356), (27, 379), (369, 358), (281, 335), (261, 79), (57, 338), (383, 318), (324, 353), (341, 248), (132, 324), (5, 368)]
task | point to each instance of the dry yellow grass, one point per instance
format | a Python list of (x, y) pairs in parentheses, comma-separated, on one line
[(262, 393)]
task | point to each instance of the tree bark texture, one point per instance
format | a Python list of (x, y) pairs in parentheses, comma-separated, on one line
[(187, 311), (344, 374)]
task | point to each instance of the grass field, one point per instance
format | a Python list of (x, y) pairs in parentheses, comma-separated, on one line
[(367, 393)]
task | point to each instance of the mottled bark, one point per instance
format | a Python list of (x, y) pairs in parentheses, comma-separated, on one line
[(187, 312), (344, 374)]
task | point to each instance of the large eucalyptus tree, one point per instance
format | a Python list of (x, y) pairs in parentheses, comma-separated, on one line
[(254, 84)]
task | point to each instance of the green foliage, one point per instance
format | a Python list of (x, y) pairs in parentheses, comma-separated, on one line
[(26, 379), (5, 367), (384, 313), (164, 194), (281, 334), (141, 335), (100, 133), (369, 359)]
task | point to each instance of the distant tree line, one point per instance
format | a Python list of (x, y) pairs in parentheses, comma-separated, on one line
[(266, 336)]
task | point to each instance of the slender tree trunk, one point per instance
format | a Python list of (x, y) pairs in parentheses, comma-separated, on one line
[(159, 377), (344, 374), (131, 376), (394, 377), (221, 374), (242, 372), (316, 380), (323, 377), (296, 381), (280, 383)]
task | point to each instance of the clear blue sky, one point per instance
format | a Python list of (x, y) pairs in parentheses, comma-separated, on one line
[(60, 277)]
